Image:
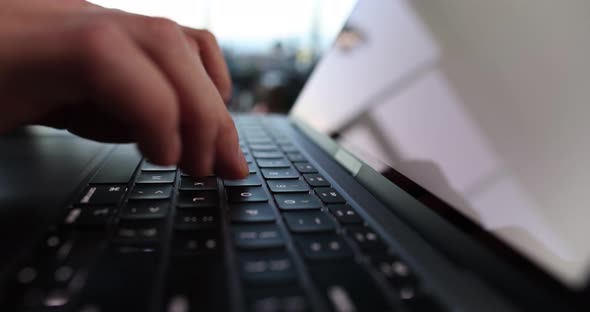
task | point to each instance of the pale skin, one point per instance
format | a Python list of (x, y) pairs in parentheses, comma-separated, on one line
[(113, 76)]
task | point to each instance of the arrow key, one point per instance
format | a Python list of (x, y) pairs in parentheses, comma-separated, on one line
[(145, 209), (151, 191)]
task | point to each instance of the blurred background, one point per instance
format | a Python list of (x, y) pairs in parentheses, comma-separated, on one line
[(271, 46)]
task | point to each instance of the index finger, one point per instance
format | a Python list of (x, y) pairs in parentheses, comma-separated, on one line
[(212, 57)]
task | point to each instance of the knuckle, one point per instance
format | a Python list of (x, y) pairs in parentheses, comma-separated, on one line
[(97, 37), (164, 29), (208, 37)]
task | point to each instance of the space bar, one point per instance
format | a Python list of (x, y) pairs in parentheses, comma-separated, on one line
[(120, 166)]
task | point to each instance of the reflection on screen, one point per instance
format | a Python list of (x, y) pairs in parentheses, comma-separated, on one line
[(483, 104)]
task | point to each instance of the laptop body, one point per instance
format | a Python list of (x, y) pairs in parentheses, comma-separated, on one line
[(318, 225)]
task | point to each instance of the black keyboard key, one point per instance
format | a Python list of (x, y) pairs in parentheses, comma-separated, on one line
[(263, 147), (287, 186), (329, 195), (103, 195), (147, 166), (289, 148), (323, 247), (260, 154), (396, 271), (198, 184), (367, 239), (309, 221), (285, 173), (258, 236), (305, 167), (197, 199), (252, 168), (248, 158), (242, 194), (137, 232), (188, 243), (416, 300), (273, 163), (151, 191), (296, 157), (89, 216), (259, 140), (345, 214), (145, 209), (316, 180), (120, 166), (121, 281), (353, 291), (156, 177), (275, 299), (297, 201), (193, 284), (267, 268), (251, 180), (251, 212), (195, 219)]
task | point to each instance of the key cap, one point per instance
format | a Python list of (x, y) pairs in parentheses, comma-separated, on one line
[(89, 216), (151, 191), (258, 236), (259, 154), (121, 281), (251, 212), (252, 168), (197, 199), (267, 268), (273, 163), (308, 222), (296, 157), (367, 239), (259, 140), (240, 194), (297, 201), (198, 184), (396, 271), (196, 219), (148, 166), (156, 177), (287, 186), (119, 167), (190, 243), (323, 247), (248, 158), (287, 298), (316, 180), (329, 195), (263, 147), (251, 180), (195, 283), (289, 148), (137, 232), (145, 209), (353, 291), (305, 167), (345, 214), (287, 173), (102, 195)]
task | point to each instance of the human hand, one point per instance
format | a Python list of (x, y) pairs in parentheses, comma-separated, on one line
[(113, 76)]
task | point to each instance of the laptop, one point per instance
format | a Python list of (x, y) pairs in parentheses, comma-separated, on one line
[(435, 161)]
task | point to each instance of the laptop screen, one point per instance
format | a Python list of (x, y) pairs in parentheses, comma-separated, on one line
[(483, 104)]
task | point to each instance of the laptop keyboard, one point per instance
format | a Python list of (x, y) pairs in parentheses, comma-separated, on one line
[(282, 239)]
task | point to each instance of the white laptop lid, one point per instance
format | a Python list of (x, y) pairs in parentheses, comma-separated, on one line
[(484, 104)]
